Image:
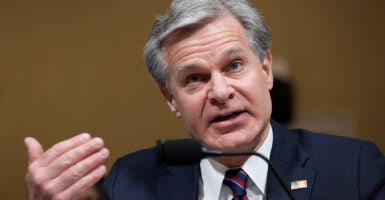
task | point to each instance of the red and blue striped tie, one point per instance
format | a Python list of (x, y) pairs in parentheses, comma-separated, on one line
[(236, 179)]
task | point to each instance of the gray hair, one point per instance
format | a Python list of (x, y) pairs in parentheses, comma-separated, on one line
[(189, 13)]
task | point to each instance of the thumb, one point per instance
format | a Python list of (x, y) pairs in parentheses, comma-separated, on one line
[(34, 148)]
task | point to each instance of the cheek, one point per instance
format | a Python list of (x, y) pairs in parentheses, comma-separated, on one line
[(191, 113), (193, 124), (256, 92)]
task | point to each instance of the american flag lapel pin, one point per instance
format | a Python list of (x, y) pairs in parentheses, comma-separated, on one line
[(301, 184)]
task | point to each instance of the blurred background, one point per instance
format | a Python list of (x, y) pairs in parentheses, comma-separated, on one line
[(76, 66)]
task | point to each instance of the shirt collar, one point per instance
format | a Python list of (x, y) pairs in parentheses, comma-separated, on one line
[(213, 172)]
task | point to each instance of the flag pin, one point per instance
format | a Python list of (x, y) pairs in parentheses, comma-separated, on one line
[(301, 184)]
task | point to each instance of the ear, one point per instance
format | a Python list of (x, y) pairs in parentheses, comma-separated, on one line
[(170, 100), (267, 68)]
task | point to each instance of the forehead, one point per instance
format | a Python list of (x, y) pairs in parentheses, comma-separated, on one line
[(212, 36), (224, 19)]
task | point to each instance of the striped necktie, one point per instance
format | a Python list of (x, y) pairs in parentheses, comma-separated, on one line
[(236, 180)]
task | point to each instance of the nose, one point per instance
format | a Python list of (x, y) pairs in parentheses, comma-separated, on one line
[(220, 90)]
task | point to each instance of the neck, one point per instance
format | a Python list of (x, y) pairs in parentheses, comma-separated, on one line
[(233, 161), (238, 161)]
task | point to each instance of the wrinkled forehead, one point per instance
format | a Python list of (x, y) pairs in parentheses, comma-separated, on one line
[(188, 30), (216, 39)]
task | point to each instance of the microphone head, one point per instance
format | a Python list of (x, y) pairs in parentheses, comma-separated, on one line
[(179, 152)]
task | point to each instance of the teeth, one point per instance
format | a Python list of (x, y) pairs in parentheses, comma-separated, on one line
[(226, 115)]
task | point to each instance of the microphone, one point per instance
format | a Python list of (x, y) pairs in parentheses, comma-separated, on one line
[(189, 152)]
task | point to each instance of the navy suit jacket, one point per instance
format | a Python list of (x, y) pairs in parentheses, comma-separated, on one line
[(335, 168)]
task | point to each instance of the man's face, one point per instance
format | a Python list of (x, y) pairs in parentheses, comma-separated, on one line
[(220, 89)]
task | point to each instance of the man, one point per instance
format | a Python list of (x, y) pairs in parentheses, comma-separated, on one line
[(212, 61)]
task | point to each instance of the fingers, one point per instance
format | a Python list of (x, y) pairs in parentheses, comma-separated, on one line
[(71, 165), (62, 147), (71, 157), (34, 148), (80, 176), (78, 188)]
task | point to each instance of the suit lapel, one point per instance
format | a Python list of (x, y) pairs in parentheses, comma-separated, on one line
[(178, 182), (289, 158)]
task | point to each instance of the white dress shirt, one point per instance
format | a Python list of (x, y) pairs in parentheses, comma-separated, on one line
[(212, 173)]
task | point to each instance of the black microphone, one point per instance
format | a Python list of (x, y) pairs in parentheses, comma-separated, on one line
[(189, 152)]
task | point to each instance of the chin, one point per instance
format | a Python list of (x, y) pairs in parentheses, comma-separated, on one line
[(229, 143)]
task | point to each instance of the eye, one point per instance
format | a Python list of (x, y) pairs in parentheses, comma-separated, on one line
[(194, 78), (235, 66)]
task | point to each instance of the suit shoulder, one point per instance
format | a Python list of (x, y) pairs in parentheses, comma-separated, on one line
[(132, 173), (338, 147), (139, 159), (318, 141), (358, 159)]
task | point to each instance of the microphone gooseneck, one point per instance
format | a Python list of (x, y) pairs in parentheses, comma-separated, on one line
[(189, 152)]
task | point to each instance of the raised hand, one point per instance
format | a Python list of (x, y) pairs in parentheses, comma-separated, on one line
[(65, 170)]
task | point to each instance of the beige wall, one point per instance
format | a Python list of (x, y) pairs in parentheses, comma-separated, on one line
[(76, 66)]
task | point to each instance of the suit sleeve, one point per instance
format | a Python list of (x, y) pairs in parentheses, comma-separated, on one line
[(371, 172), (109, 184)]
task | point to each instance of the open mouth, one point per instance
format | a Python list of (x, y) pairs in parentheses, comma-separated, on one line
[(226, 117)]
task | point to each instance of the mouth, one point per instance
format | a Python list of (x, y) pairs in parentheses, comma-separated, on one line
[(222, 118)]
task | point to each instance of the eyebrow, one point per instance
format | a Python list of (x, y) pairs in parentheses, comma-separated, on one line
[(187, 67), (183, 69)]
